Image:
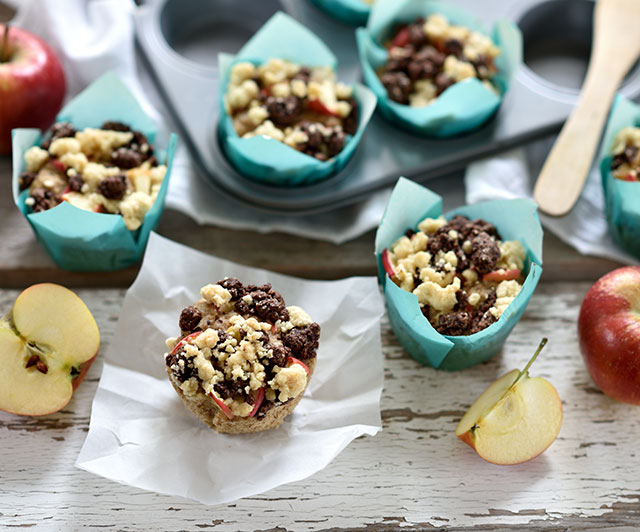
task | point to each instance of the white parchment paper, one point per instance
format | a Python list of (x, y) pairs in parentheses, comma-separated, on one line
[(141, 433)]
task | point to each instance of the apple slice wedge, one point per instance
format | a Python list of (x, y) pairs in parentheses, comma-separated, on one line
[(184, 341), (225, 409), (319, 107), (47, 343), (386, 264), (258, 399), (502, 275), (82, 201), (515, 419), (292, 360)]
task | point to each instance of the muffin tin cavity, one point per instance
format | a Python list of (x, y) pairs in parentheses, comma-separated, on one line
[(557, 38), (557, 41), (197, 30)]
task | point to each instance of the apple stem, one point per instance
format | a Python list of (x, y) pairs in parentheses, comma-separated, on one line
[(4, 46), (533, 358)]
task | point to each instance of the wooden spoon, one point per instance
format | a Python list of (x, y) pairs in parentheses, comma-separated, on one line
[(616, 47)]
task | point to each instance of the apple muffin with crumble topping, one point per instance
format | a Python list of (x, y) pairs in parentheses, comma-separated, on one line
[(303, 107), (110, 170), (462, 273), (243, 359), (429, 55)]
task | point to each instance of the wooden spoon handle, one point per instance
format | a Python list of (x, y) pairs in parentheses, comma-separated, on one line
[(616, 45), (567, 166)]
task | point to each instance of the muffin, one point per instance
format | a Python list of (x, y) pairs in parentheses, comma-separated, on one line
[(304, 107), (76, 237), (625, 163), (243, 359), (456, 285), (110, 169), (462, 273), (284, 119), (430, 55), (434, 68), (620, 173)]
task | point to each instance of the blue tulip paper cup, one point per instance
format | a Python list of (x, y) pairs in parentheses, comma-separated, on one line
[(622, 198), (353, 12), (464, 106), (79, 240), (408, 205), (267, 160)]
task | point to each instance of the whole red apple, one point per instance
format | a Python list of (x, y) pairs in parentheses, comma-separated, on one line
[(32, 83), (609, 334)]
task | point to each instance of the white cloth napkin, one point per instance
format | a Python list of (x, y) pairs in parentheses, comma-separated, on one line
[(512, 175), (94, 37), (141, 434)]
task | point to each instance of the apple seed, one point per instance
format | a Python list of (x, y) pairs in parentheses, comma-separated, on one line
[(34, 360)]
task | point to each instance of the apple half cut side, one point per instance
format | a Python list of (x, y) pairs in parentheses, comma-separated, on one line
[(47, 343), (515, 419)]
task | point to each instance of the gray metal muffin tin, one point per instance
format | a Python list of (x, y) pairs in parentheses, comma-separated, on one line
[(181, 40)]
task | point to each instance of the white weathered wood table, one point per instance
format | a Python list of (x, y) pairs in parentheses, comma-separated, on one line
[(414, 475)]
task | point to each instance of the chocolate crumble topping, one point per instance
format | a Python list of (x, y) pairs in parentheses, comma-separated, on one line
[(485, 253), (189, 319), (303, 341), (113, 187)]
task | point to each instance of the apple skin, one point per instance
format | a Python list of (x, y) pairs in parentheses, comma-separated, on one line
[(609, 334), (506, 275), (386, 263), (32, 85), (225, 409), (84, 368), (292, 360)]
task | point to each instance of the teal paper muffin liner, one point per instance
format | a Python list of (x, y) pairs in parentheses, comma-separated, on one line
[(622, 198), (353, 12), (464, 106), (268, 160), (86, 241), (408, 205)]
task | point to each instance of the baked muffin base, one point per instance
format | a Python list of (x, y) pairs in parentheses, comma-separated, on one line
[(207, 411)]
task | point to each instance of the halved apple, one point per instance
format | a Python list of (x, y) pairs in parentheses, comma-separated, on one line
[(47, 342), (515, 419)]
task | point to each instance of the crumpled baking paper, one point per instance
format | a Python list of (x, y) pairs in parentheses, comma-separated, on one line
[(622, 198), (516, 219), (268, 160), (141, 433), (353, 12), (74, 238), (465, 105)]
